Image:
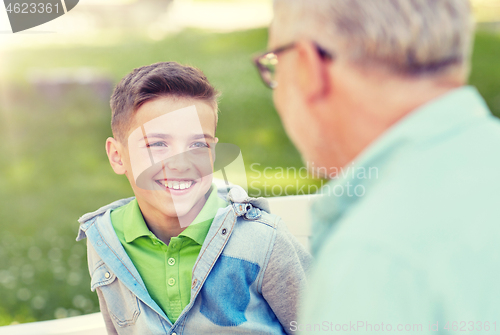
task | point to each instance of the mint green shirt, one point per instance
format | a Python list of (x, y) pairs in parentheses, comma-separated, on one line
[(165, 269), (413, 244)]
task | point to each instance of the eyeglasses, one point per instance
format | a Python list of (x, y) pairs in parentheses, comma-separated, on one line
[(266, 63)]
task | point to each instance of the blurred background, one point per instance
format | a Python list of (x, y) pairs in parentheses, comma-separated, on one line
[(55, 83)]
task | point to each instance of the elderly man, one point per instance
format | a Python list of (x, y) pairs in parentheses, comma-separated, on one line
[(406, 236)]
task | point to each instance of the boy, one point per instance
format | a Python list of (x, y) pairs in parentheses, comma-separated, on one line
[(176, 258)]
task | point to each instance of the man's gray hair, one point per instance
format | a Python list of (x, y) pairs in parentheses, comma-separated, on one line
[(407, 36)]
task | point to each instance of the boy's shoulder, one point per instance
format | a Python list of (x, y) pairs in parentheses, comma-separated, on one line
[(88, 219), (114, 205), (251, 209), (254, 212)]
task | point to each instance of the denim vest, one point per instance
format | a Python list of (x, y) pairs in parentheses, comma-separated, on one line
[(226, 286)]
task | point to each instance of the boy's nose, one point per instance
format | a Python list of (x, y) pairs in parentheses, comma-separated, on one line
[(179, 162)]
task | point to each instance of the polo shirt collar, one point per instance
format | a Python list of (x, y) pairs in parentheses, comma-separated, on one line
[(198, 230), (134, 225)]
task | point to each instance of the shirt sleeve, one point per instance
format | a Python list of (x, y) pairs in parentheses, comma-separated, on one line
[(110, 328), (285, 276)]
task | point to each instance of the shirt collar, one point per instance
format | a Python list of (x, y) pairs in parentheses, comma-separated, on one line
[(134, 225), (198, 230)]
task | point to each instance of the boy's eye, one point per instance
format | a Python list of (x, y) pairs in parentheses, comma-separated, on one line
[(199, 145), (156, 144)]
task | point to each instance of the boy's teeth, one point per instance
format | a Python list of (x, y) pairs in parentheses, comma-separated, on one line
[(179, 185)]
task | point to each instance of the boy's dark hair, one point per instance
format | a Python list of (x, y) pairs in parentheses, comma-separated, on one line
[(150, 82)]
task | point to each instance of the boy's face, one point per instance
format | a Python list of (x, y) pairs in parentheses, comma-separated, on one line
[(168, 157)]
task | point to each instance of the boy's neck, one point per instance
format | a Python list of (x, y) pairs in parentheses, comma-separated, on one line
[(165, 227)]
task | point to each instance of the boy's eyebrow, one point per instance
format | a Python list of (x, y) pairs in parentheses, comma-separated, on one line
[(160, 135), (205, 136), (168, 136)]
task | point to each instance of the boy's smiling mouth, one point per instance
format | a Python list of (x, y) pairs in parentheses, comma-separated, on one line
[(175, 184)]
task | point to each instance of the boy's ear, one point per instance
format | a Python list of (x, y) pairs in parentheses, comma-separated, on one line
[(114, 151)]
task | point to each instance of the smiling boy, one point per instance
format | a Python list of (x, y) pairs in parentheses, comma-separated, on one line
[(177, 258), (168, 127)]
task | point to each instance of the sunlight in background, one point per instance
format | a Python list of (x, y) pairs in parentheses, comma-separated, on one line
[(97, 22), (216, 15), (486, 10)]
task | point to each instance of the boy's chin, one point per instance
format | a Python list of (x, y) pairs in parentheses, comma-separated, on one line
[(179, 210)]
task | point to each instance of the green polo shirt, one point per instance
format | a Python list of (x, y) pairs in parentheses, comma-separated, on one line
[(165, 269)]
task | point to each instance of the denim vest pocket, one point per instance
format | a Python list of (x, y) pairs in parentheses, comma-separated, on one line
[(122, 304)]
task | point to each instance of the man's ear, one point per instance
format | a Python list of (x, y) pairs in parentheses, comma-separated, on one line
[(312, 71), (114, 151)]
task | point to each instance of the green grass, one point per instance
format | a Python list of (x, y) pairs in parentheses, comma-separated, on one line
[(54, 167), (485, 71)]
